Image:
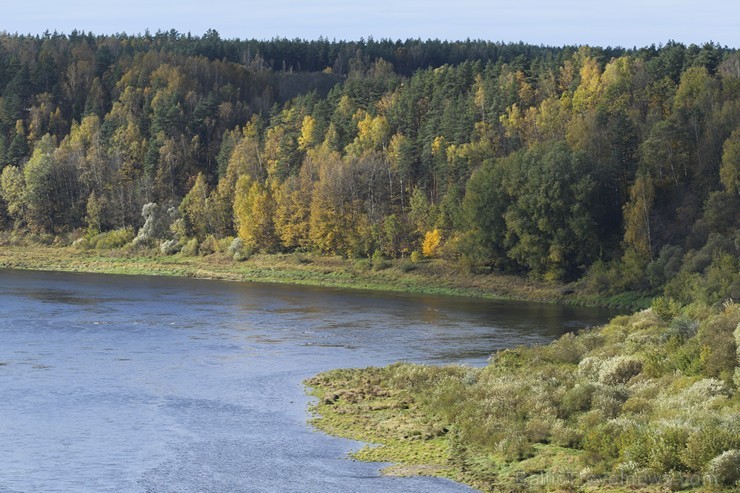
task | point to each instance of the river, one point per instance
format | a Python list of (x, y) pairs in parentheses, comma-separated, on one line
[(146, 384)]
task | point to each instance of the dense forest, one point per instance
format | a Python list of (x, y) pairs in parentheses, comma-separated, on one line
[(619, 168)]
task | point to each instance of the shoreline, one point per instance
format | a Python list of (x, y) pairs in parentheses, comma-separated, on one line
[(558, 417), (430, 277)]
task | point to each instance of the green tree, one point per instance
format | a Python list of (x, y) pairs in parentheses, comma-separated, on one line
[(18, 150), (551, 221), (13, 189), (729, 172)]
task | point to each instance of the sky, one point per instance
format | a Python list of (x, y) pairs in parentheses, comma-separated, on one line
[(626, 23)]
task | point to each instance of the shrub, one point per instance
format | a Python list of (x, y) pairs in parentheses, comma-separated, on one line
[(225, 243), (589, 368), (607, 403), (113, 239), (565, 436), (515, 446), (239, 251), (190, 249), (681, 329), (665, 308), (416, 256), (725, 468), (407, 267), (601, 441), (236, 245), (567, 349), (719, 350), (158, 221), (209, 246), (170, 247), (81, 244), (660, 448), (619, 370), (704, 391), (637, 405), (379, 261), (707, 441), (578, 398)]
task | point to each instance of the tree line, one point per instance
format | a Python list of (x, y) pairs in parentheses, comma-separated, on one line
[(618, 167)]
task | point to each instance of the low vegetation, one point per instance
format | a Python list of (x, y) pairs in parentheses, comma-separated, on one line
[(647, 403), (228, 262)]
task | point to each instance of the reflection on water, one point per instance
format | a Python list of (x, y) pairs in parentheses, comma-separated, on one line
[(150, 384)]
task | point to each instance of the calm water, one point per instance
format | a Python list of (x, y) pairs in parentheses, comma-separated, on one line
[(142, 384)]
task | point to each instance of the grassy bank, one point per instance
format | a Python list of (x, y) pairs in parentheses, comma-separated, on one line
[(427, 277), (647, 403)]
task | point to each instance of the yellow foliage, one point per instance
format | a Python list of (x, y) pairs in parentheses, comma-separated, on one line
[(308, 137), (431, 244)]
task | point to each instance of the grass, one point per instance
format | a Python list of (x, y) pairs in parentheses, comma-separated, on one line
[(433, 277)]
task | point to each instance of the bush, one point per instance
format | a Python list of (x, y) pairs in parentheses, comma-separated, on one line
[(709, 440), (565, 436), (363, 265), (725, 468), (190, 249), (239, 251), (578, 398), (661, 447), (515, 446), (170, 247), (567, 349), (112, 239), (236, 246), (601, 441), (590, 367), (81, 244), (416, 257), (665, 308), (681, 329), (619, 370), (209, 246), (379, 261), (224, 244), (609, 403), (666, 266), (719, 350), (407, 267)]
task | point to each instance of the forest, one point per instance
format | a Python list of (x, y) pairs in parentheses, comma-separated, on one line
[(618, 169)]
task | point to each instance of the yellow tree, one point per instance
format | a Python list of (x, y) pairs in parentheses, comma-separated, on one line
[(431, 244), (309, 134), (253, 215), (195, 209), (293, 204)]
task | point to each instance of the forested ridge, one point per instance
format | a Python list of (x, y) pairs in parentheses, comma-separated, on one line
[(615, 167)]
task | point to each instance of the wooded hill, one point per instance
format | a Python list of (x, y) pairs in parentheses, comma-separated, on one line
[(615, 166)]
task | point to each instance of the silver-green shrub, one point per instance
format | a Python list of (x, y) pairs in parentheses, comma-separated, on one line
[(725, 468), (619, 370)]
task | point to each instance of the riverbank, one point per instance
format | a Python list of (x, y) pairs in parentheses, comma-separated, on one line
[(433, 277), (647, 403)]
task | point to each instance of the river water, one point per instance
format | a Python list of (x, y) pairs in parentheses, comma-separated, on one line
[(145, 384)]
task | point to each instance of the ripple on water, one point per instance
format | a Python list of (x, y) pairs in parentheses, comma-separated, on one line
[(140, 384)]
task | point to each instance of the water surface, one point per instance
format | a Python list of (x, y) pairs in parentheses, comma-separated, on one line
[(145, 384)]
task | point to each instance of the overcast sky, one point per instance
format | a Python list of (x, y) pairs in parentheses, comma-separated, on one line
[(624, 23)]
